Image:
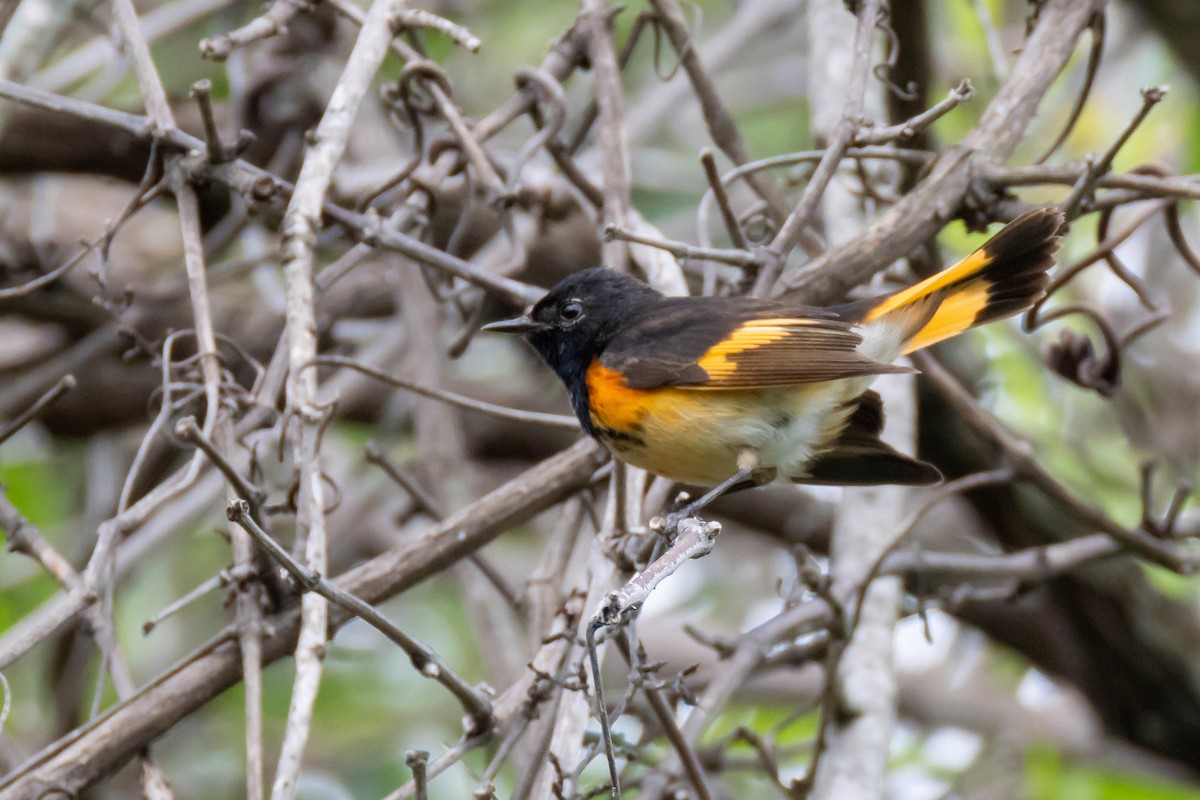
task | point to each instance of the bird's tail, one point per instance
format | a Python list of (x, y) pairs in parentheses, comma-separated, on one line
[(1004, 276)]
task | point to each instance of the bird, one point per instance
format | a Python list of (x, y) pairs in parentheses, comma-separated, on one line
[(735, 392)]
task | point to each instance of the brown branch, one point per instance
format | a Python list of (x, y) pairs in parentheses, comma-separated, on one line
[(423, 500), (261, 187), (614, 148), (105, 743), (65, 384), (1019, 457), (301, 223), (424, 659), (453, 398), (24, 537), (271, 22), (912, 128), (722, 127), (840, 141), (1030, 564), (1097, 27), (1151, 96), (717, 187), (737, 258), (47, 279), (438, 89), (920, 214)]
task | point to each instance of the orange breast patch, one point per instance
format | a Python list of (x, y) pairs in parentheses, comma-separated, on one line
[(613, 404)]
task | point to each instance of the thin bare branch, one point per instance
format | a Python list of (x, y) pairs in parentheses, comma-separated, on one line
[(839, 142), (613, 144), (271, 22), (109, 741), (424, 659), (556, 420), (911, 128), (24, 537), (722, 127), (738, 258), (64, 385), (300, 226), (922, 212), (260, 186), (1020, 458)]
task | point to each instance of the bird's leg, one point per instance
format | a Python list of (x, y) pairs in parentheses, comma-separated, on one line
[(748, 465)]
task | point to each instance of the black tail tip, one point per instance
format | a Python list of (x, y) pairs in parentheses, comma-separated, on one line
[(1042, 224)]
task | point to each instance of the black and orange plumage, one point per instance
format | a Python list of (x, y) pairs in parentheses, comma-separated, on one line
[(699, 389)]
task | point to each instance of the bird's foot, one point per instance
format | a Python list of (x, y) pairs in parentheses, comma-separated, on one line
[(667, 523)]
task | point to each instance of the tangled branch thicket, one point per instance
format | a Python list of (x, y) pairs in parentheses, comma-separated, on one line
[(220, 276)]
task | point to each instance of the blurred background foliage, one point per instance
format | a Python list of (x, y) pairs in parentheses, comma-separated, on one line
[(372, 706)]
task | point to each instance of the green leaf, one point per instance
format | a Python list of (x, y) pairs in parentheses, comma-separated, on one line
[(1051, 776)]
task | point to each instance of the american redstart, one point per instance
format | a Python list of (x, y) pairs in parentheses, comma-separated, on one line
[(728, 390)]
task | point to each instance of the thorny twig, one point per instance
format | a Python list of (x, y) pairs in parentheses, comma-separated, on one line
[(1097, 27)]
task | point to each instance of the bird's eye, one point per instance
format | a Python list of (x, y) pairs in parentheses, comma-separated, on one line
[(571, 311)]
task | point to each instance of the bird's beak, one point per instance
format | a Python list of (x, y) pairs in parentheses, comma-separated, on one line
[(518, 325)]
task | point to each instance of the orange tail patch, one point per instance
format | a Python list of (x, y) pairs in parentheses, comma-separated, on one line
[(1004, 276)]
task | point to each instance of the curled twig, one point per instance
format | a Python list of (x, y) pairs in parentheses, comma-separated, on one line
[(1074, 358), (1097, 27), (882, 71), (1066, 273), (420, 18), (1118, 267)]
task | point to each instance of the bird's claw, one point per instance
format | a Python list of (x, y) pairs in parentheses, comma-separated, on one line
[(668, 526)]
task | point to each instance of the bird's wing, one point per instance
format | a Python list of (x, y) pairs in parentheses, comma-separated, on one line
[(734, 345)]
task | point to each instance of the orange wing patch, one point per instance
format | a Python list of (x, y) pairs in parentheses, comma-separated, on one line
[(784, 351), (720, 361)]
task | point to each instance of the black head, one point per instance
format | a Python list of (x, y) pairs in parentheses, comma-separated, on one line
[(576, 319)]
